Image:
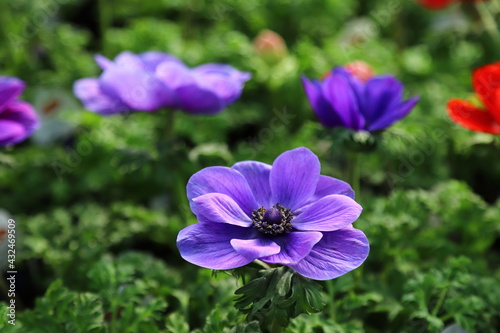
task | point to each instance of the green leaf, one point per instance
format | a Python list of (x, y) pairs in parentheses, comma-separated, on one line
[(64, 310), (251, 327), (279, 295), (176, 323)]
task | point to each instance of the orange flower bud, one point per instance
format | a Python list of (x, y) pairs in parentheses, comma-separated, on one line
[(270, 45)]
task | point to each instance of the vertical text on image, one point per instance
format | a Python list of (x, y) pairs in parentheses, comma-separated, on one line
[(11, 264)]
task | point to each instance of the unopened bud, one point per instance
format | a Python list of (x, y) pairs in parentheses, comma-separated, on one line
[(360, 69), (270, 45)]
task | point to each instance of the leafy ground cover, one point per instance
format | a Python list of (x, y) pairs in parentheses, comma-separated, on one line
[(98, 205)]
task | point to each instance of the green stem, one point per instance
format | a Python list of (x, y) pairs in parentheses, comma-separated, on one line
[(488, 21), (496, 5), (5, 27), (276, 327), (114, 317), (400, 31), (354, 172), (105, 20), (358, 276), (167, 157), (331, 299), (165, 133), (263, 264), (440, 301), (181, 200), (168, 133)]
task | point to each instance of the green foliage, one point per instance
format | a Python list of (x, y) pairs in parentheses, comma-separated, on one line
[(278, 296), (456, 292), (5, 326), (228, 321), (62, 310), (88, 230), (127, 294), (318, 324), (98, 207)]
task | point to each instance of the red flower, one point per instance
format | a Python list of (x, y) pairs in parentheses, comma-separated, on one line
[(486, 83), (435, 4), (440, 4)]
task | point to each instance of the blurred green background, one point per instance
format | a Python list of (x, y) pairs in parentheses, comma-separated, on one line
[(98, 210)]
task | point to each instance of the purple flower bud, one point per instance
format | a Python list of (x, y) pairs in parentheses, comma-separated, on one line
[(18, 119)]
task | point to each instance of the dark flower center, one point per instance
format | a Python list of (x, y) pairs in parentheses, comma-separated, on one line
[(273, 221)]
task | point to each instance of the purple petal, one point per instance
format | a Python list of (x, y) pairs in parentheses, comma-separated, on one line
[(175, 75), (294, 247), (328, 185), (138, 89), (10, 89), (337, 253), (206, 89), (152, 59), (23, 113), (89, 92), (216, 207), (257, 176), (339, 93), (382, 95), (255, 248), (357, 86), (226, 89), (191, 97), (225, 181), (330, 213), (209, 245), (394, 115), (11, 132), (103, 62), (16, 116), (327, 116), (294, 177), (196, 100), (223, 70), (223, 80), (129, 61)]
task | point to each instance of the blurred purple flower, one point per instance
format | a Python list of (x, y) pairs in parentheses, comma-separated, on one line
[(153, 80), (18, 119), (285, 214), (343, 100)]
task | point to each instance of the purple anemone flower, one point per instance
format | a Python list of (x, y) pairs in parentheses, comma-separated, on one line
[(153, 80), (285, 214), (344, 100), (18, 119)]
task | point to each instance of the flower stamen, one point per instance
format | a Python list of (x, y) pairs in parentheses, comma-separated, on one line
[(273, 221)]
